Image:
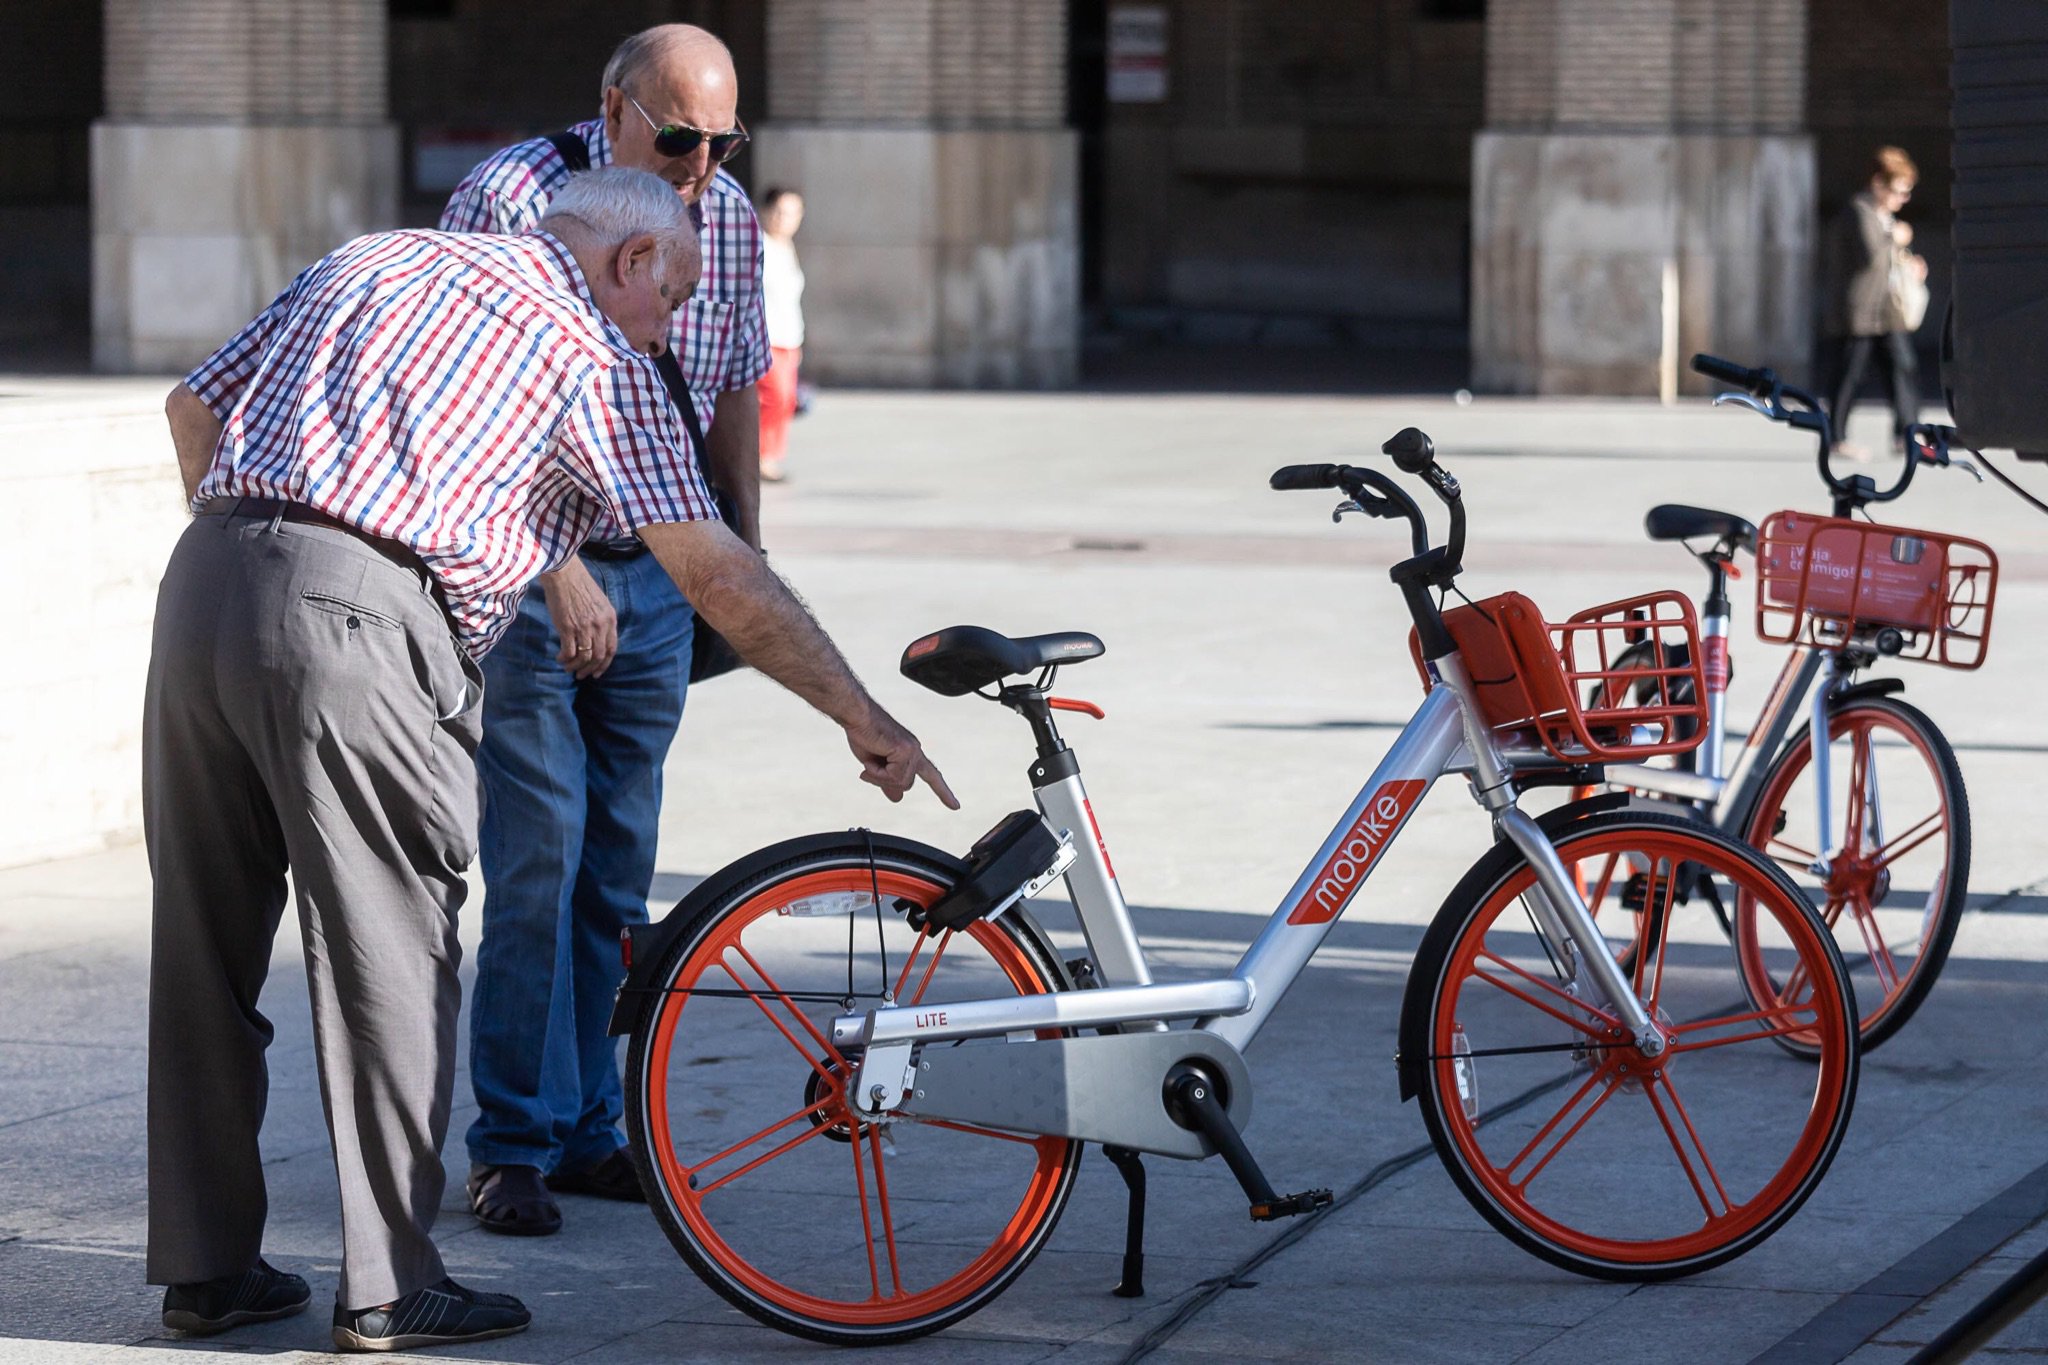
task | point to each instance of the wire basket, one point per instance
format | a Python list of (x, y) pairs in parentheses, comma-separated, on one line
[(1830, 582), (1607, 685)]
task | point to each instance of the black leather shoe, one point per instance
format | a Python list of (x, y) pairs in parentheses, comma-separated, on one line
[(259, 1294), (445, 1314), (616, 1177)]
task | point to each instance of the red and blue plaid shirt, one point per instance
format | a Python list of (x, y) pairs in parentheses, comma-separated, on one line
[(721, 334), (461, 395)]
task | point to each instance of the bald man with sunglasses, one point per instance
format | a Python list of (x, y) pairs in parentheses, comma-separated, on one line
[(585, 692)]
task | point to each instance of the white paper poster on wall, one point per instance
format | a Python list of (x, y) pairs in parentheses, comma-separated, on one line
[(1137, 54)]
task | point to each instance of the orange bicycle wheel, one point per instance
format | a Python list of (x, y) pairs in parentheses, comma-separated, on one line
[(792, 1206), (1560, 1130), (1900, 866)]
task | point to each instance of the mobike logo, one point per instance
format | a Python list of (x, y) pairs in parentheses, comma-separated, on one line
[(1361, 847)]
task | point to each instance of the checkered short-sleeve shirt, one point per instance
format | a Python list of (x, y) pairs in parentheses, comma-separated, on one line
[(721, 334), (461, 395)]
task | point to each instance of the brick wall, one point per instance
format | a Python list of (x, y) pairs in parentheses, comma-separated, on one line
[(1330, 63), (918, 63), (254, 61), (1646, 65), (536, 64), (1312, 163)]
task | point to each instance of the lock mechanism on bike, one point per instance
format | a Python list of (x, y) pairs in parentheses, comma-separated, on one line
[(1193, 1103), (1016, 860)]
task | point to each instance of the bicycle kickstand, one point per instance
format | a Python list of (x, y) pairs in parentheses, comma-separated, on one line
[(1132, 1285), (1191, 1093)]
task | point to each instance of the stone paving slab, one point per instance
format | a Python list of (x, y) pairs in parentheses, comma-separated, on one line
[(1250, 684)]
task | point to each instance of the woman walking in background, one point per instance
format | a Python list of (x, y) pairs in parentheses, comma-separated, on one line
[(782, 288), (1876, 295)]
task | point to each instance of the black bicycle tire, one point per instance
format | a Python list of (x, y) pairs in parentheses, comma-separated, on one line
[(1473, 891), (852, 852), (1934, 952)]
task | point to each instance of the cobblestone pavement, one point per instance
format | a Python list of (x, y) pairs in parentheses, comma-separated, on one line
[(1256, 667)]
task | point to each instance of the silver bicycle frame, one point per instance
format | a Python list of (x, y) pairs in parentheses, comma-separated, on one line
[(1445, 734), (1727, 796)]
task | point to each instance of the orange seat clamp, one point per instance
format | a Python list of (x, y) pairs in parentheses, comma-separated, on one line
[(1069, 704)]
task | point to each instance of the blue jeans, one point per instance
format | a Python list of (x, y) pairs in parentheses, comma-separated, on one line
[(572, 791)]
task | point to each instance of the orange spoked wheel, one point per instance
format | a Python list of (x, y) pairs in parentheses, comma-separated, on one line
[(1897, 858), (778, 1193), (1570, 1138)]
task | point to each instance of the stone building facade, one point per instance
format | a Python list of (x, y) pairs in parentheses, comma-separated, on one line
[(941, 238), (241, 139), (1643, 190), (1579, 191)]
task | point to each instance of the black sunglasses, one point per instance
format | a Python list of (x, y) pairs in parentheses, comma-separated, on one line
[(680, 139)]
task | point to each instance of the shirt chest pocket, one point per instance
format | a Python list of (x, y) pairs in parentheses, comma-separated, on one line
[(703, 342)]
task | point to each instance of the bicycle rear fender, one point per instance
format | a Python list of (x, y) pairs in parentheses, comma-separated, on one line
[(1413, 1034), (651, 942)]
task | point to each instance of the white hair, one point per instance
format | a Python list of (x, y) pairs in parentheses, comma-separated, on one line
[(617, 204)]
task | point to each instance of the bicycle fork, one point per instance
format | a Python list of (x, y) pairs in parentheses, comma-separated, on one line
[(1562, 912), (1568, 922)]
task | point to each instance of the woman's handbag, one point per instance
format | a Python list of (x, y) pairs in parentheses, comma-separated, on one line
[(1908, 290)]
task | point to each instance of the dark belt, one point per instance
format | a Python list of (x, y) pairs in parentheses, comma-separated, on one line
[(283, 510), (613, 550)]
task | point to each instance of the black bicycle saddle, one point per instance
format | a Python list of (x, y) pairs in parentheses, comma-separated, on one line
[(1676, 521), (963, 659)]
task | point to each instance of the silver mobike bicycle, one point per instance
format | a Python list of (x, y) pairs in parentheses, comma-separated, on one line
[(1864, 803), (860, 1079)]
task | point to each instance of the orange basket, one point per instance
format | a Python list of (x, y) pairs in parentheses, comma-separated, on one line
[(1830, 582), (1567, 684)]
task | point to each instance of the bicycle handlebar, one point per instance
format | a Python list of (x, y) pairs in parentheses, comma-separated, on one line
[(1379, 496), (1758, 382), (1763, 392), (1299, 476)]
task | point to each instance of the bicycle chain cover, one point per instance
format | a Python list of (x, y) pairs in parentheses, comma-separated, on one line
[(1564, 683), (1012, 860), (1831, 582)]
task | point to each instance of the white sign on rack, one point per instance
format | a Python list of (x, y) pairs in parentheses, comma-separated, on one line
[(1137, 54)]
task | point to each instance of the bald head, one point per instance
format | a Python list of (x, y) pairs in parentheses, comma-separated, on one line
[(670, 75), (667, 51)]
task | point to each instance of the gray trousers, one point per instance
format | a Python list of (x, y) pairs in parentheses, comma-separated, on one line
[(307, 709)]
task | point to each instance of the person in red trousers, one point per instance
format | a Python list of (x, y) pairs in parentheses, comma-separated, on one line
[(782, 288)]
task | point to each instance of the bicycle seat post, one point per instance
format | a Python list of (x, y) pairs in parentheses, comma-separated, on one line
[(1716, 613), (1116, 955), (1032, 701)]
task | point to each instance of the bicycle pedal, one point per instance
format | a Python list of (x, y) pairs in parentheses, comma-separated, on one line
[(1291, 1205)]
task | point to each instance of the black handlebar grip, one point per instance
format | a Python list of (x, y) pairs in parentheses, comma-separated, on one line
[(1296, 476), (1713, 367), (1412, 450)]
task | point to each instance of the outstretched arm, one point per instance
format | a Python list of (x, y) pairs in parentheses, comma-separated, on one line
[(732, 588)]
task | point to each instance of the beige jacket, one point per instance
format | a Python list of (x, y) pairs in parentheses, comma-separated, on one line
[(1856, 293)]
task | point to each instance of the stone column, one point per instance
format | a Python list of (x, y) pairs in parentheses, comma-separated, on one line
[(1642, 191), (941, 240), (243, 140)]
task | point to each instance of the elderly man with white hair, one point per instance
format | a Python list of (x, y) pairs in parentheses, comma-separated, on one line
[(377, 466), (587, 689)]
